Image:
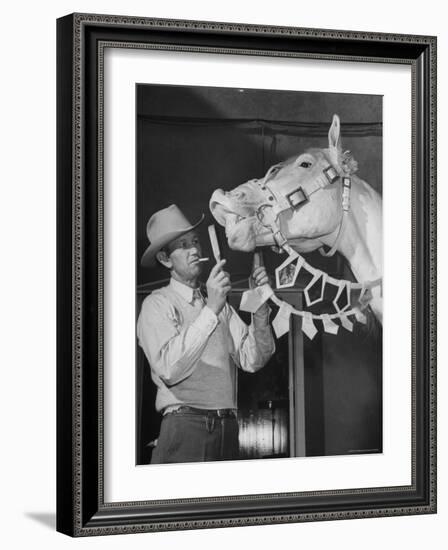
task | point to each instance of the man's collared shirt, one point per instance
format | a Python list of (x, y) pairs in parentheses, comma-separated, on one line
[(192, 352)]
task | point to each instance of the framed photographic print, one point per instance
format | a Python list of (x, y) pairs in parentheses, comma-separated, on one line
[(246, 275), (245, 132)]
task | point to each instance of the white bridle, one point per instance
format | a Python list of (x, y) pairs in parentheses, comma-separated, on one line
[(293, 197)]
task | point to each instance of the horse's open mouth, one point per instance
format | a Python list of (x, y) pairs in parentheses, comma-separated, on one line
[(225, 217), (239, 229), (228, 218)]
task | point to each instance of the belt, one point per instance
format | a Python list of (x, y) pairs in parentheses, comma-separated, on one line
[(221, 413)]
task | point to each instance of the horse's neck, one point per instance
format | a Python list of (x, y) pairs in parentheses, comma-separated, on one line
[(361, 241)]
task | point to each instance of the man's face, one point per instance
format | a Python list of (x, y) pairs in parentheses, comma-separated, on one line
[(182, 257)]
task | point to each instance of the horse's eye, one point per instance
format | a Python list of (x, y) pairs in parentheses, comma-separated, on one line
[(305, 164)]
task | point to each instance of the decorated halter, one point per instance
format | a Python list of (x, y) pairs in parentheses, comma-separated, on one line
[(294, 197), (268, 213)]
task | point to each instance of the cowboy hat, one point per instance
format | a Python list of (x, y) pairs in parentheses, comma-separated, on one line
[(163, 227)]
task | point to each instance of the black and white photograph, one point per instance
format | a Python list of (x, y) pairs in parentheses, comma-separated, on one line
[(246, 275), (258, 274)]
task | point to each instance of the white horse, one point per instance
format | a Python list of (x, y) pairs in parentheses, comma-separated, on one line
[(310, 202)]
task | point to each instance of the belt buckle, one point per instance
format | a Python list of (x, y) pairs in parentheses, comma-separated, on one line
[(222, 413)]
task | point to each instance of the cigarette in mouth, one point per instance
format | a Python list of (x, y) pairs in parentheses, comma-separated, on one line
[(203, 259)]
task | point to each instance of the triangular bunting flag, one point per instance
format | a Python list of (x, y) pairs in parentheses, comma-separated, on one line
[(286, 274), (319, 278), (365, 297), (342, 302), (308, 326), (281, 322), (346, 323), (329, 325), (251, 300), (360, 317)]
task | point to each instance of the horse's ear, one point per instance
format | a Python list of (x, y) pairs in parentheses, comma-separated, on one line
[(334, 134)]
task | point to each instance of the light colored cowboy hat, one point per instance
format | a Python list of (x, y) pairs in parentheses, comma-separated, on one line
[(163, 227)]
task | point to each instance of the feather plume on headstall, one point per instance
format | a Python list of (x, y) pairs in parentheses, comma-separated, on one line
[(347, 162)]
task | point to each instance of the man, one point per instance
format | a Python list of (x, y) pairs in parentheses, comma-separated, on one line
[(192, 341)]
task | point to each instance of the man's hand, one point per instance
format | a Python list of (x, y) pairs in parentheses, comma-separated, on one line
[(218, 286), (258, 277)]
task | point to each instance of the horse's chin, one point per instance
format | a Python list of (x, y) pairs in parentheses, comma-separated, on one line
[(304, 246), (241, 236)]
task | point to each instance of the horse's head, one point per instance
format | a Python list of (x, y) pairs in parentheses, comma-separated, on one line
[(301, 196)]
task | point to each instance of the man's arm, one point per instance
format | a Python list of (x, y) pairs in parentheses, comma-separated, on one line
[(172, 350), (253, 345)]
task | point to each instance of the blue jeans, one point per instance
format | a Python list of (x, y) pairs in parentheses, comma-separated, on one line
[(187, 436)]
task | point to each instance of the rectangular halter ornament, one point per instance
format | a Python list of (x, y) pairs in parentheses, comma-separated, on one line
[(346, 187), (331, 174), (297, 198)]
